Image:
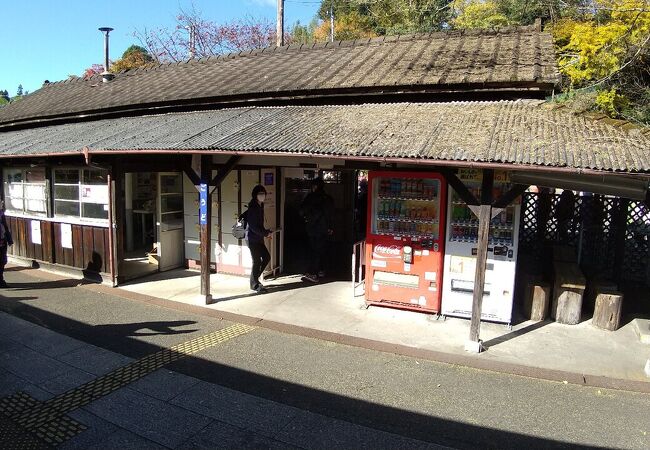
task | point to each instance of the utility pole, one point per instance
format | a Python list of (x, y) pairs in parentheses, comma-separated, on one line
[(280, 25), (192, 34), (332, 21)]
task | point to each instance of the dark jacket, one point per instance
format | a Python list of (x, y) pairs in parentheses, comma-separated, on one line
[(318, 211), (5, 234), (255, 231)]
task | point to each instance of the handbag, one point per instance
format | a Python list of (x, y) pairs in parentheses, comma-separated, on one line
[(239, 228)]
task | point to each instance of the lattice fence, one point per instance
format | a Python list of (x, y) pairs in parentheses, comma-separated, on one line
[(609, 234)]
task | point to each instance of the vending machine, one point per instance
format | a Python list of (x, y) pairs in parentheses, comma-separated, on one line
[(461, 251), (405, 239)]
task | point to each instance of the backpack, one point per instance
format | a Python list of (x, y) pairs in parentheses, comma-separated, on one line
[(239, 228)]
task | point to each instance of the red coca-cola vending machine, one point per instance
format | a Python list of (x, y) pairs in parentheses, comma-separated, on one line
[(405, 239)]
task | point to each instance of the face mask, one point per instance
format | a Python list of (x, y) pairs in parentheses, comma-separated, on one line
[(261, 198)]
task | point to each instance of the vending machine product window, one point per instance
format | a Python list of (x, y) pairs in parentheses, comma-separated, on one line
[(405, 239)]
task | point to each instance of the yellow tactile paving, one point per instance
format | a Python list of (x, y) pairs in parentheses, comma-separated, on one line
[(47, 420)]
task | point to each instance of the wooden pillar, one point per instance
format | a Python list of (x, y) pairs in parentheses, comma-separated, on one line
[(205, 219), (484, 213)]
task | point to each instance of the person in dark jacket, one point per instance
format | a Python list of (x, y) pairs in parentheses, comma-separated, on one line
[(318, 211), (255, 234), (5, 242)]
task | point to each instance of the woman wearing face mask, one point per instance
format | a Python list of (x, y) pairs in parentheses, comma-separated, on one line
[(255, 234)]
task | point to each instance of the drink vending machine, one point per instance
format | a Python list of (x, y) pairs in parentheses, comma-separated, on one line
[(461, 251), (405, 239)]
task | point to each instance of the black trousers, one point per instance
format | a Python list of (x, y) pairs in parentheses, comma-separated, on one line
[(3, 260), (317, 245), (261, 259)]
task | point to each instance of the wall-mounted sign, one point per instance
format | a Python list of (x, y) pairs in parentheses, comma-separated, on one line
[(94, 194), (268, 178), (203, 204), (36, 231), (66, 235)]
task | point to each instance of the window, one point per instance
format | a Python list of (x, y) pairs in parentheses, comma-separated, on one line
[(26, 191), (171, 202), (81, 193)]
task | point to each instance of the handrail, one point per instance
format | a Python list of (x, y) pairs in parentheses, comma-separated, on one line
[(278, 261)]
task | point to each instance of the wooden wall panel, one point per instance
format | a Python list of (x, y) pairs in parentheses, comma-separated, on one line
[(98, 250), (89, 244)]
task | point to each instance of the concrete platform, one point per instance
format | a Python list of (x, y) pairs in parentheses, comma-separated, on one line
[(642, 329), (578, 353)]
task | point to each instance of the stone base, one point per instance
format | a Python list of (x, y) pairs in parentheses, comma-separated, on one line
[(642, 329), (474, 347)]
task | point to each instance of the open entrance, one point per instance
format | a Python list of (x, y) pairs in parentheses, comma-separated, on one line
[(341, 186), (153, 232)]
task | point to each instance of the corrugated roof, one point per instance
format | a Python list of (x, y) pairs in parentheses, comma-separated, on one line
[(510, 132), (469, 59)]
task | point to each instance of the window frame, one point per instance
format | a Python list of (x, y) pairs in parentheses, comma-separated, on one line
[(43, 185), (80, 185)]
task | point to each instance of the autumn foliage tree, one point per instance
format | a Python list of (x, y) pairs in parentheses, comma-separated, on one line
[(132, 58)]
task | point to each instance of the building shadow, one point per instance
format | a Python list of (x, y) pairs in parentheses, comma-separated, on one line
[(119, 338)]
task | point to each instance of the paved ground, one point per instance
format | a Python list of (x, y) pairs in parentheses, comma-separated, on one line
[(100, 371), (535, 348)]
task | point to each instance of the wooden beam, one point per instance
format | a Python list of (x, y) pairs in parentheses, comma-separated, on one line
[(194, 177), (224, 170), (508, 197), (205, 225), (459, 187)]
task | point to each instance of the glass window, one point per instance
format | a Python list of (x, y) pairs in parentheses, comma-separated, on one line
[(26, 190), (81, 193)]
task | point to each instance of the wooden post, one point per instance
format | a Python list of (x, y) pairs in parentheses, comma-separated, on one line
[(484, 217), (205, 219)]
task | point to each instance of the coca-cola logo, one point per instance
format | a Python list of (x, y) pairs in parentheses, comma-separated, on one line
[(386, 251)]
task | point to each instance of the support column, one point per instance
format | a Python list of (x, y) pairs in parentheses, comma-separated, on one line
[(205, 219), (484, 213)]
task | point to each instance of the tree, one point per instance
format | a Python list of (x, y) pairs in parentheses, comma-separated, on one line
[(19, 91), (95, 69), (199, 37), (346, 27), (132, 58)]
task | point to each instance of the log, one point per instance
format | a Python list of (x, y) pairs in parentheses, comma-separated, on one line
[(607, 313), (568, 291), (537, 298)]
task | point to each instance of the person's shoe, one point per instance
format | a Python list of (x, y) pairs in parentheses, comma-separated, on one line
[(3, 284), (261, 289), (311, 278)]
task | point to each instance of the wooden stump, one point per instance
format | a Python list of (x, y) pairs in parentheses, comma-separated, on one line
[(568, 290), (537, 298), (607, 313)]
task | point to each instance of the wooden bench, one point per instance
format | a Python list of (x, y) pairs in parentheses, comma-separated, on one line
[(568, 291), (607, 311)]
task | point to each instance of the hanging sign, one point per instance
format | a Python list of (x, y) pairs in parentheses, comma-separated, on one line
[(203, 204)]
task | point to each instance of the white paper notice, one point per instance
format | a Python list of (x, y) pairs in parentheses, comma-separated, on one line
[(36, 231), (66, 235)]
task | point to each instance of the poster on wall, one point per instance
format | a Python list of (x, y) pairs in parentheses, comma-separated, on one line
[(95, 194), (66, 235), (36, 231)]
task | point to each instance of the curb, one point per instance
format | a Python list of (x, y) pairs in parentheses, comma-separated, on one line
[(554, 375)]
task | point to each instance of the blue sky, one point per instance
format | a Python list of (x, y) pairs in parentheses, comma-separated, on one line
[(49, 40)]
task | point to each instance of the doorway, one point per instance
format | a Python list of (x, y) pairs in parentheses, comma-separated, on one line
[(153, 228), (340, 185)]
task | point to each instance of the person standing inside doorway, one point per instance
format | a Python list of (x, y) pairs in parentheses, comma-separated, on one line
[(255, 234), (318, 210), (5, 242)]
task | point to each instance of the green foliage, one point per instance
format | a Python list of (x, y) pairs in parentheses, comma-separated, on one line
[(19, 91), (479, 14), (611, 103), (132, 58)]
